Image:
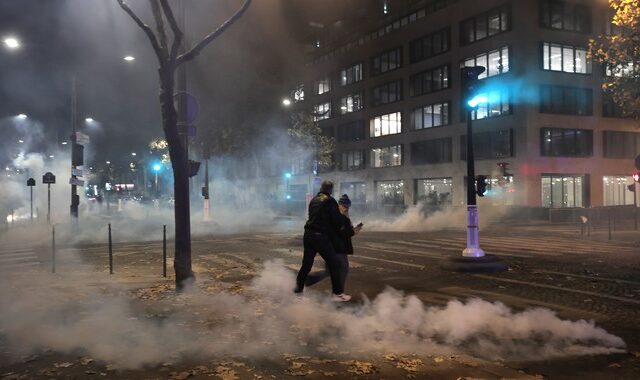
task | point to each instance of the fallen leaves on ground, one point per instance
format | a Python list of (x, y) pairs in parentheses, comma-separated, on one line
[(360, 368)]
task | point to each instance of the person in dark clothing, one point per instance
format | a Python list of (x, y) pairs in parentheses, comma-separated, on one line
[(342, 244), (319, 231)]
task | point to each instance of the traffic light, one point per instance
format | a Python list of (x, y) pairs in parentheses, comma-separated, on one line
[(194, 166), (481, 185), (636, 177), (77, 155), (504, 166), (471, 86)]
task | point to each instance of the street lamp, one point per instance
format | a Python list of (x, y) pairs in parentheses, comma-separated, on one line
[(156, 169), (12, 43), (129, 58), (21, 116), (473, 257), (286, 102)]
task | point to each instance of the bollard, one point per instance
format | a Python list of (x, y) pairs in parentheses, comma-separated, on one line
[(164, 250), (53, 249), (110, 252), (609, 215)]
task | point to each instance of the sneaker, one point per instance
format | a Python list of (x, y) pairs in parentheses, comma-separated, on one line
[(341, 297), (297, 291)]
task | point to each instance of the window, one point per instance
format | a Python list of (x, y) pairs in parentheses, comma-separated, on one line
[(610, 27), (351, 103), (387, 61), (386, 93), (495, 62), (562, 142), (431, 151), (616, 192), (621, 144), (485, 25), (298, 93), (351, 74), (383, 125), (489, 145), (354, 131), (432, 115), (357, 191), (610, 108), (352, 160), (434, 191), (429, 81), (390, 193), (322, 111), (569, 59), (322, 86), (386, 156), (497, 104), (567, 16), (566, 100), (429, 45), (560, 190)]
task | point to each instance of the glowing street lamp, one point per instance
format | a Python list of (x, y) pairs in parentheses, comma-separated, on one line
[(12, 43), (21, 116), (286, 102), (129, 58), (89, 120), (156, 169)]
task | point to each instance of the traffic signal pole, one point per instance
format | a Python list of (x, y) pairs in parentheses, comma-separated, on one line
[(74, 188), (473, 241)]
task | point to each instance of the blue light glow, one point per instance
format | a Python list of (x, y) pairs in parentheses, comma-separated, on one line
[(477, 100), (288, 196), (157, 167), (287, 175)]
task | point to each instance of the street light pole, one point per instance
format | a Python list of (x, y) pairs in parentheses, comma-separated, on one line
[(74, 189)]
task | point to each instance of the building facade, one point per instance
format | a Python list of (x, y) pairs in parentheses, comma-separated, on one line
[(545, 137)]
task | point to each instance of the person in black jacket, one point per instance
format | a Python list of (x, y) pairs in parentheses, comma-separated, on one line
[(319, 231), (341, 243)]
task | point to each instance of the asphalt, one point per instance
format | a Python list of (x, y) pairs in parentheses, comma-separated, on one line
[(550, 266)]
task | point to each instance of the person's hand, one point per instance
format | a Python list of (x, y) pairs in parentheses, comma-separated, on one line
[(357, 228)]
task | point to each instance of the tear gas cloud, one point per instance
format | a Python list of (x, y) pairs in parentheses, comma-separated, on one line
[(66, 313)]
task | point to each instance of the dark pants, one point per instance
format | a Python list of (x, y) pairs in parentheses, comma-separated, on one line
[(317, 242), (318, 276)]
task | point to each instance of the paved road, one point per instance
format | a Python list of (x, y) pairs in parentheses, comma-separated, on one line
[(549, 267)]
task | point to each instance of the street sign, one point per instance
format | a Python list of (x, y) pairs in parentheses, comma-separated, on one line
[(317, 181), (82, 138), (638, 162), (77, 172), (75, 181), (31, 182), (48, 177), (192, 106)]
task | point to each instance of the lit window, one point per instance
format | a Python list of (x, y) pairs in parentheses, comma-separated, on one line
[(351, 75), (322, 111), (386, 124), (322, 86), (495, 62), (569, 59), (386, 156), (350, 103)]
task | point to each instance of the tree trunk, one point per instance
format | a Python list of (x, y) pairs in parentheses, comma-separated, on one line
[(178, 154)]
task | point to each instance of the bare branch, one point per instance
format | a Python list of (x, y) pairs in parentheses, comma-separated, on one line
[(152, 37), (205, 41), (157, 15), (177, 33)]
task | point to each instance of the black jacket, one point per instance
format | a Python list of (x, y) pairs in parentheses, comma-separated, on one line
[(324, 215), (345, 232)]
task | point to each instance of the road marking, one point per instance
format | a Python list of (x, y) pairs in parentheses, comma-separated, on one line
[(519, 301), (504, 253), (594, 294), (421, 267), (588, 277)]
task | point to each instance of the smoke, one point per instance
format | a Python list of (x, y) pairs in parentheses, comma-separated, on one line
[(83, 312), (415, 219)]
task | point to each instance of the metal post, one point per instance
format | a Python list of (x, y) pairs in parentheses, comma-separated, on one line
[(48, 203), (635, 206), (473, 244), (74, 188), (609, 217), (53, 249), (206, 187), (110, 252), (164, 250), (31, 191)]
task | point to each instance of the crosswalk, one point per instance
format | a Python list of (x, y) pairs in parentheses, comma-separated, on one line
[(14, 258)]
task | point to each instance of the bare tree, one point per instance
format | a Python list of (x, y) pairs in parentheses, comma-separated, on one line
[(170, 57)]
